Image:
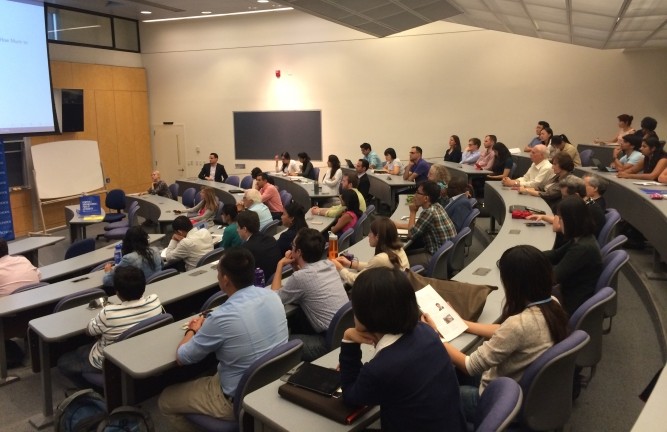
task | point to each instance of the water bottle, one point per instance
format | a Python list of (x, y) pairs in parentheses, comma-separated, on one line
[(259, 277), (316, 187), (118, 253), (333, 245)]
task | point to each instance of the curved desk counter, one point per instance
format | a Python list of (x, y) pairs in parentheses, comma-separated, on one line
[(157, 208), (647, 215), (301, 189), (385, 186), (29, 246), (604, 153), (225, 192), (464, 170)]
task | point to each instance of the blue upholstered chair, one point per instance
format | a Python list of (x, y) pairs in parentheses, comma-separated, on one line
[(498, 406), (344, 239), (79, 248), (612, 245), (611, 265), (585, 156), (232, 180), (78, 299), (612, 217), (174, 188), (246, 182), (161, 275), (456, 258), (188, 198), (210, 257), (115, 200)]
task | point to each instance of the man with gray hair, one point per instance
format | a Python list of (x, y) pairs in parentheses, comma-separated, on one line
[(252, 200), (539, 172), (596, 186)]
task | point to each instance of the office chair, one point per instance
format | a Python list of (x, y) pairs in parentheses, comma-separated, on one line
[(246, 182), (498, 406), (80, 247)]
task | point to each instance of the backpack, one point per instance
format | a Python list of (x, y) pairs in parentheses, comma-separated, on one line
[(127, 419), (80, 412)]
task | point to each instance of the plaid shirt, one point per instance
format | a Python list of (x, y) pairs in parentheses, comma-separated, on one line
[(435, 226)]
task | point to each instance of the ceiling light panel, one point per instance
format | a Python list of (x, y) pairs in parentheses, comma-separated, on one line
[(630, 36), (597, 22), (600, 7), (655, 43), (593, 43), (382, 12), (590, 33), (641, 23), (550, 27), (547, 14), (466, 5), (508, 8), (514, 21), (558, 37), (646, 8), (482, 16), (558, 4)]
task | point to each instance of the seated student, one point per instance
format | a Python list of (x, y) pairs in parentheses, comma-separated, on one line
[(315, 287), (536, 141), (264, 248), (351, 215), (230, 235), (562, 145), (364, 183), (538, 173), (136, 253), (289, 166), (205, 209), (433, 227), (15, 271), (393, 165), (188, 244), (459, 207), (440, 175), (654, 163), (110, 322), (158, 186), (502, 162), (596, 186), (307, 170), (453, 153), (330, 181), (410, 376), (270, 195), (293, 218), (562, 167), (240, 331), (531, 322), (252, 200), (577, 263), (662, 178), (389, 252), (417, 168), (370, 156), (471, 155), (627, 154), (213, 170), (349, 181)]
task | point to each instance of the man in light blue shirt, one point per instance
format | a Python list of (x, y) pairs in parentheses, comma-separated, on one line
[(471, 155), (373, 159), (248, 325)]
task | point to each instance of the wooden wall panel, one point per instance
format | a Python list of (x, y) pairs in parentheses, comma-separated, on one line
[(116, 116)]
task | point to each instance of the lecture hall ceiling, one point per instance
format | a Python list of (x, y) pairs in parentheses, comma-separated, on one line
[(603, 24)]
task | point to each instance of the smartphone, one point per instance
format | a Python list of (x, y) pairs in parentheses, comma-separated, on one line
[(534, 224)]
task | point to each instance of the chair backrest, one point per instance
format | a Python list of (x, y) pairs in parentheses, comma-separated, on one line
[(210, 257), (246, 182), (29, 287), (132, 215), (161, 275), (214, 301), (498, 406), (359, 228), (100, 266), (612, 217), (470, 223), (115, 200), (78, 299), (547, 384), (188, 198), (588, 317), (344, 239), (173, 188), (271, 228), (285, 197), (267, 369), (197, 198), (370, 209), (232, 180), (437, 265), (585, 156), (316, 174), (456, 258), (612, 245), (341, 321), (611, 264), (513, 170), (218, 214), (80, 247), (146, 325), (287, 270)]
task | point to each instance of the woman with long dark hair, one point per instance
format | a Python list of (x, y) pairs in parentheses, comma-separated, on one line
[(502, 162), (389, 252), (136, 253), (333, 175), (654, 162), (307, 170), (454, 153), (351, 214), (294, 218), (531, 322)]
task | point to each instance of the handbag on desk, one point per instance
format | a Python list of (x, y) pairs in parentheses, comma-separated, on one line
[(468, 300)]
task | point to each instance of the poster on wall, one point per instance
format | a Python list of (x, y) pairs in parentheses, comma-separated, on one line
[(6, 224)]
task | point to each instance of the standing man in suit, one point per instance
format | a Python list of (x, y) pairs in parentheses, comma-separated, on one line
[(213, 170), (263, 247)]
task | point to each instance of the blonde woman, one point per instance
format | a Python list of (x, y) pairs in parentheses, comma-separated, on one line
[(206, 208)]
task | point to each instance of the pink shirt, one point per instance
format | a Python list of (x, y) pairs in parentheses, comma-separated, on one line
[(485, 160), (271, 197), (352, 223), (15, 272)]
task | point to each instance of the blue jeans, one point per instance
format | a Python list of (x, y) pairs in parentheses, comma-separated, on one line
[(75, 363), (469, 400)]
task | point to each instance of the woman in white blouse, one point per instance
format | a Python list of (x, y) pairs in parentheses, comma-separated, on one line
[(332, 176), (388, 252), (393, 165)]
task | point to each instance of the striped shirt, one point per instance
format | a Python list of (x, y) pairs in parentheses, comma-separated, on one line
[(115, 319)]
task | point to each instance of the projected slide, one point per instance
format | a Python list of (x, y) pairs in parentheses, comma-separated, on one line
[(25, 105)]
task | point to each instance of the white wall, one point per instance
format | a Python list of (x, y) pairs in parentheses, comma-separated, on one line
[(416, 88), (78, 54)]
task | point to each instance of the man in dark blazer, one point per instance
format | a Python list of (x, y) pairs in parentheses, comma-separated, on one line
[(364, 183), (263, 247), (213, 170)]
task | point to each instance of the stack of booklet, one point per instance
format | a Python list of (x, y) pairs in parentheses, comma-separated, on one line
[(449, 323)]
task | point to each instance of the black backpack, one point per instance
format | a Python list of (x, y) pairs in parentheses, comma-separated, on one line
[(127, 419), (80, 412)]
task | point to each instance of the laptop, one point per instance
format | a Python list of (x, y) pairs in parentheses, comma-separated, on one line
[(349, 164), (601, 166)]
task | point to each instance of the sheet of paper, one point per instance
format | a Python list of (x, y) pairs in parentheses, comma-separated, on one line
[(449, 323)]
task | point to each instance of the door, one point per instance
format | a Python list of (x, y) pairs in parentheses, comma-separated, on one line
[(169, 145)]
